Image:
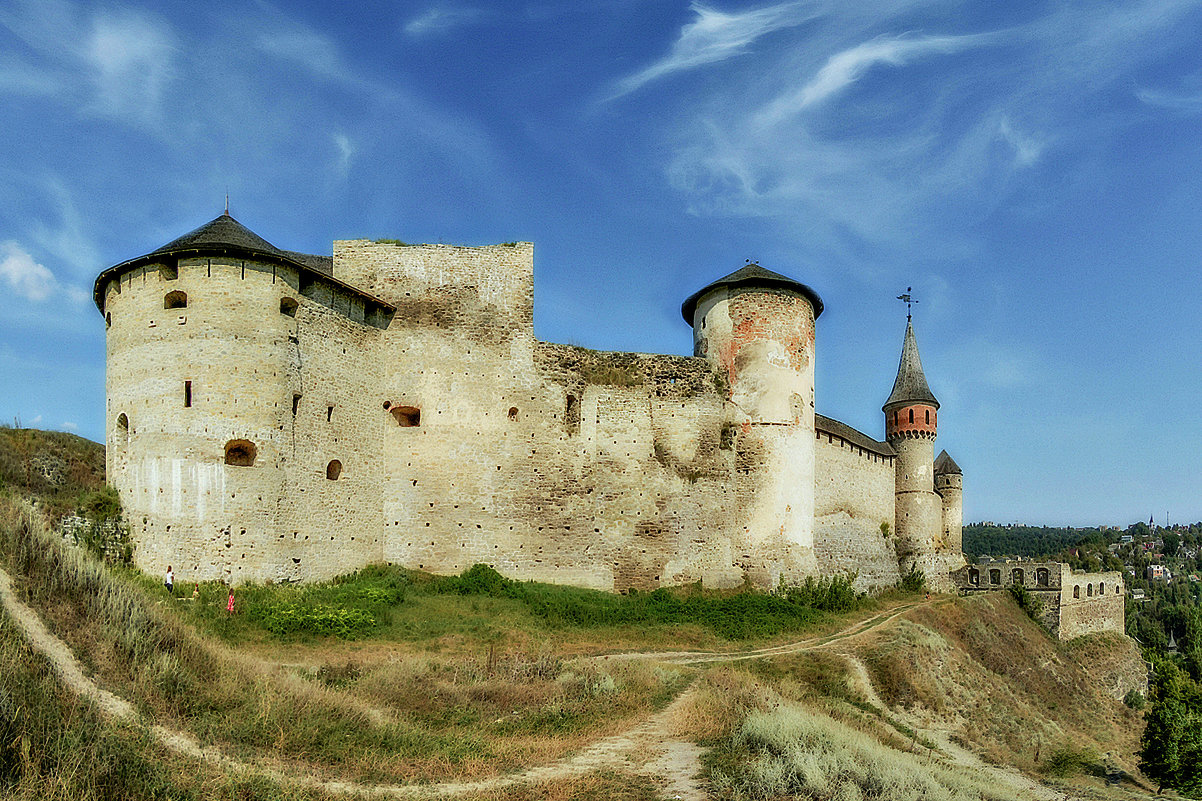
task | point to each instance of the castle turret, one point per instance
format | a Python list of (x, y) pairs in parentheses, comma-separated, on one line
[(949, 483), (757, 329), (911, 422)]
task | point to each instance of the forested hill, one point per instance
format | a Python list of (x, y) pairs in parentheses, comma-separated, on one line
[(1031, 541)]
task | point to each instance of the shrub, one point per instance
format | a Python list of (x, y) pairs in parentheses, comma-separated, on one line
[(1066, 761), (1027, 602), (914, 581), (1134, 699)]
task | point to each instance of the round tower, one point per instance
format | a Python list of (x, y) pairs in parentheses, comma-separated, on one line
[(756, 328), (911, 422), (210, 401), (949, 483)]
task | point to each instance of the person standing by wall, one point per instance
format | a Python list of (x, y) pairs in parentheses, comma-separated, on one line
[(169, 581)]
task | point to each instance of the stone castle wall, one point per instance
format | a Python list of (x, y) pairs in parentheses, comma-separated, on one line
[(854, 495), (444, 434)]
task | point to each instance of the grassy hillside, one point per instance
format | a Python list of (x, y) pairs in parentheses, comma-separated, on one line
[(54, 467)]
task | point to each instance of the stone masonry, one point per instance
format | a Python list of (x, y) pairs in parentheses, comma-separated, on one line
[(280, 416)]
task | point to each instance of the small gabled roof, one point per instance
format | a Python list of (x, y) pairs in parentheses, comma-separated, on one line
[(752, 275), (946, 464), (910, 386), (228, 237)]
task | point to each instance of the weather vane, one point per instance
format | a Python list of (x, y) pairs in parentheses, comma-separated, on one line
[(908, 300)]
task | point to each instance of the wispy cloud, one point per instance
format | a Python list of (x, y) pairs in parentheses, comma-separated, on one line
[(317, 53), (346, 151), (716, 36), (31, 280), (131, 59), (442, 19), (1171, 100), (846, 67)]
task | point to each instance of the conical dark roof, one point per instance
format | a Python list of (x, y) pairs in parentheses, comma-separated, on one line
[(752, 275), (226, 236), (911, 384), (946, 464), (224, 231)]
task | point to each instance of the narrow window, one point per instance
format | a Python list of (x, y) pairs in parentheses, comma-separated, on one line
[(295, 403), (288, 307), (1102, 588), (334, 470), (1077, 591), (122, 429), (407, 416), (974, 577), (1041, 577), (928, 416), (995, 576), (329, 413), (175, 300), (187, 394), (1089, 590), (108, 320), (240, 453), (1016, 576), (911, 415), (571, 414)]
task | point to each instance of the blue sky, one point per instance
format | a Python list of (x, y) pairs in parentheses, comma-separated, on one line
[(1031, 169)]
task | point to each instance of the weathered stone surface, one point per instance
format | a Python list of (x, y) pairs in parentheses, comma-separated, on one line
[(269, 422)]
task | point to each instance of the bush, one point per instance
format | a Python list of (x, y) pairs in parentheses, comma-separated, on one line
[(1027, 602), (1066, 761), (1135, 700), (914, 581)]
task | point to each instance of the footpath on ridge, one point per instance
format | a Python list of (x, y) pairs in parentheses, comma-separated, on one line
[(648, 748)]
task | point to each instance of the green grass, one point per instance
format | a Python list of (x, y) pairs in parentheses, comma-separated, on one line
[(391, 603)]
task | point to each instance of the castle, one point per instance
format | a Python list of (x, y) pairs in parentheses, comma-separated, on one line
[(280, 416)]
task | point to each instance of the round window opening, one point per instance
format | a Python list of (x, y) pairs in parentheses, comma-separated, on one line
[(334, 470)]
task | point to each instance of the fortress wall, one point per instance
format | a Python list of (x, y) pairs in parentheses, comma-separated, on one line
[(853, 496), (1091, 602), (445, 284), (547, 474), (330, 410)]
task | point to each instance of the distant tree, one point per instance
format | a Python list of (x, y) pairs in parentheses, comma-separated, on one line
[(1171, 746), (1172, 541)]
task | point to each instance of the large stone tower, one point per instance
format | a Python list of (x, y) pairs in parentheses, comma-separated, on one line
[(911, 422), (757, 328)]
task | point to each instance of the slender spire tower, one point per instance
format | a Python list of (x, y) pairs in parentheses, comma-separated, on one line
[(911, 422)]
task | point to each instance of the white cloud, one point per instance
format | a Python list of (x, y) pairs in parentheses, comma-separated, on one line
[(346, 151), (1170, 100), (67, 425), (131, 61), (314, 51), (846, 67), (1027, 148), (30, 279), (715, 36), (441, 19)]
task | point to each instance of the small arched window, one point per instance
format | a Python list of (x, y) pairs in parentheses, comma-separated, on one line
[(1041, 577), (928, 416), (122, 429), (513, 412), (1077, 591), (995, 576), (288, 307), (974, 577), (1016, 575), (1102, 588), (911, 415), (1089, 590), (240, 453), (333, 470), (175, 300)]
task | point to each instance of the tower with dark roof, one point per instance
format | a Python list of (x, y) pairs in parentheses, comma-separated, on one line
[(756, 327), (949, 483), (911, 423)]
